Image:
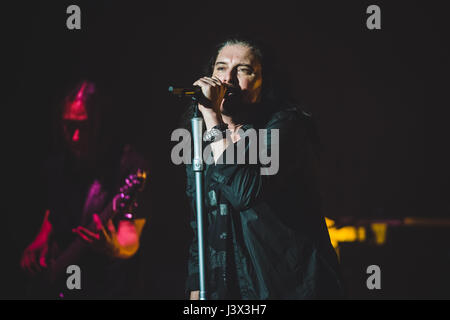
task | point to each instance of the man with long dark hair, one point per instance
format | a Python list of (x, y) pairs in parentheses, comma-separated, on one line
[(266, 237)]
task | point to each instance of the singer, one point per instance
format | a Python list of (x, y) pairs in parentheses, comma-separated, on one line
[(266, 237)]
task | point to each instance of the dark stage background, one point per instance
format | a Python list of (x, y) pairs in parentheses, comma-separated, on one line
[(379, 99)]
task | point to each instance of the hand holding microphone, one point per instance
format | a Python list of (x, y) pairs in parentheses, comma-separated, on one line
[(214, 90), (209, 91)]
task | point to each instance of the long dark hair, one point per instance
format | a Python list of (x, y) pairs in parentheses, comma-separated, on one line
[(106, 142), (276, 93), (84, 90)]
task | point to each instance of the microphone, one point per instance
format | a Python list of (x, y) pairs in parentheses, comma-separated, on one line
[(194, 91)]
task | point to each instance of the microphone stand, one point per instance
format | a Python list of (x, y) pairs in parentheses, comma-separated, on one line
[(198, 167)]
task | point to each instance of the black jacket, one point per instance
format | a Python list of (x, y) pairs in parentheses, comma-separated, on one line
[(266, 237)]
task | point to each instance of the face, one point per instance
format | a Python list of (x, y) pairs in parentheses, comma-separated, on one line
[(75, 127), (237, 65)]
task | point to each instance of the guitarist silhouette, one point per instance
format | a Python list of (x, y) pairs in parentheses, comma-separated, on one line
[(94, 217)]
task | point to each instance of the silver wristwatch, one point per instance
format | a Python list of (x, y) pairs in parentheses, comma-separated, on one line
[(215, 133)]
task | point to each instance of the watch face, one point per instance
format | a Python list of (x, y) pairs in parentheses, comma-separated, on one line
[(212, 134)]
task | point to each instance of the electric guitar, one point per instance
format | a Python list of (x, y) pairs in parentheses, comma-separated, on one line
[(52, 281)]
